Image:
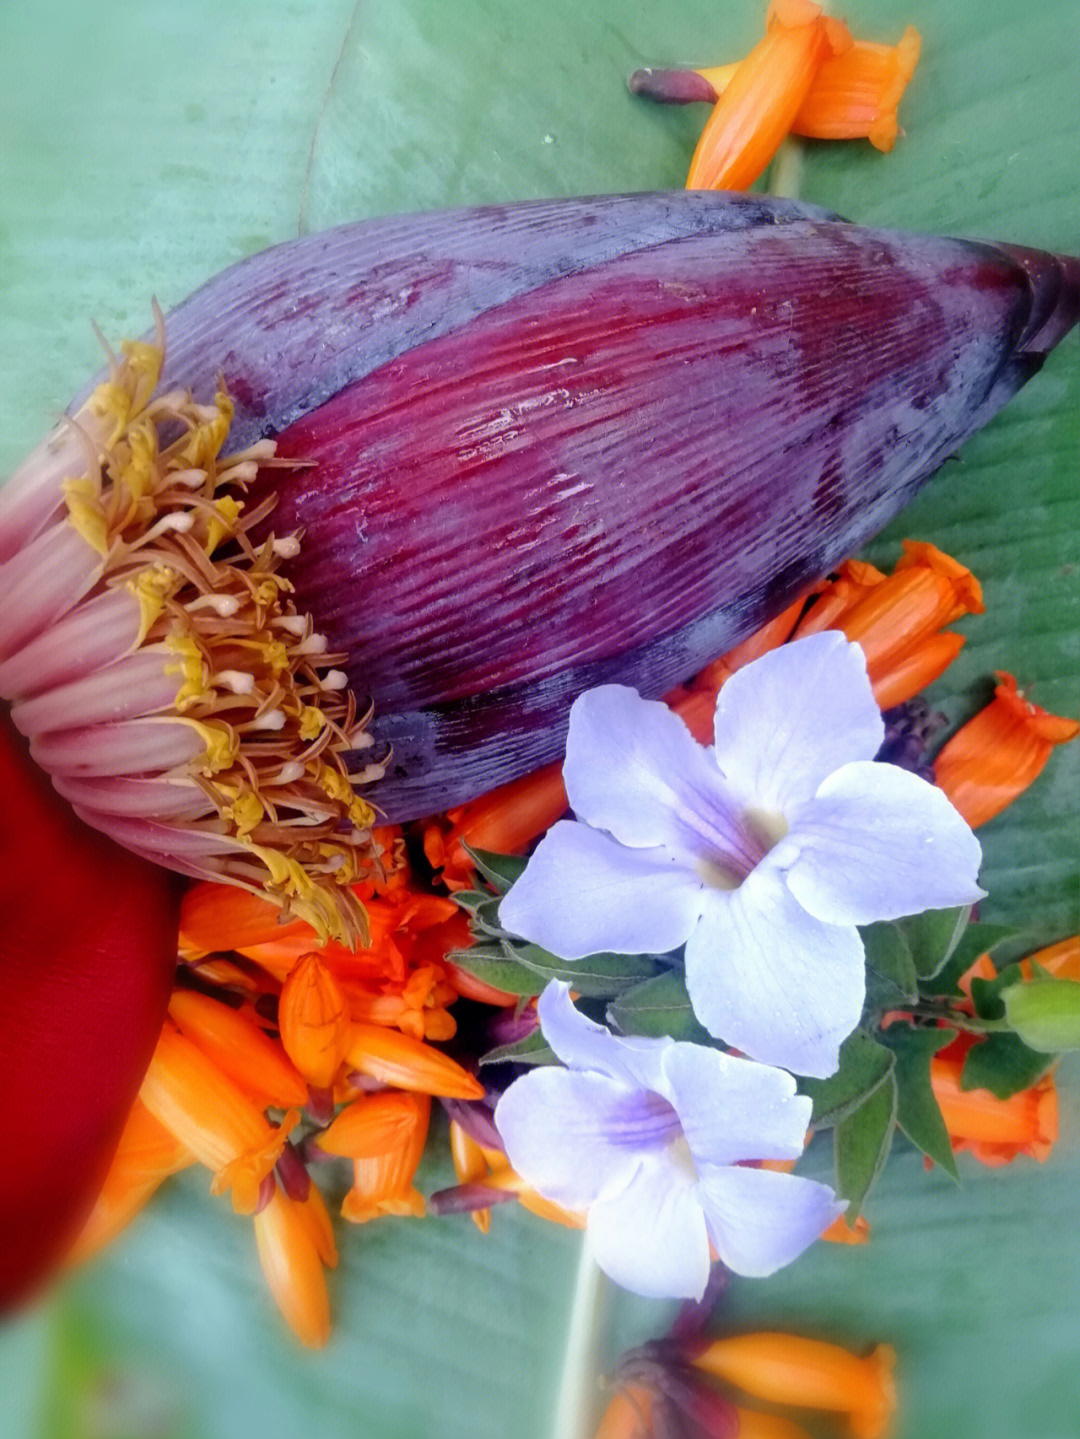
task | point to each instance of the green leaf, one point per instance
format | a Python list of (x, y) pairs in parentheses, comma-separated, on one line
[(862, 1141), (660, 1006), (596, 976), (533, 1049), (500, 870), (1002, 942), (891, 979), (932, 937), (917, 1111), (496, 967), (1004, 1065), (864, 1066)]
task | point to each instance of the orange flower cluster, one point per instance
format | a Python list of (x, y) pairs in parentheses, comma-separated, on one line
[(279, 1024), (806, 77), (780, 1369), (266, 1025)]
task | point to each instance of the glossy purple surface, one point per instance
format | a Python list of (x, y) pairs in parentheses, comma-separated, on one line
[(577, 441)]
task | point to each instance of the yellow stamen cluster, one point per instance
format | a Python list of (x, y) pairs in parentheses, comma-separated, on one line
[(162, 507)]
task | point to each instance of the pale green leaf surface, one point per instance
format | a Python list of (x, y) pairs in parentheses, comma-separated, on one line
[(144, 147)]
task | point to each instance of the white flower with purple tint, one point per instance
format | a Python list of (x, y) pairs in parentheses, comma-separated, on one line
[(761, 854), (653, 1137)]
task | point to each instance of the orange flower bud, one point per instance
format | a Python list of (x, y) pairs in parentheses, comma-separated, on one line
[(505, 821), (629, 1415), (755, 1425), (314, 1021), (999, 753), (239, 1048), (994, 1130), (469, 1166), (808, 1374), (383, 1185), (369, 1126), (765, 93), (397, 1059), (291, 1262)]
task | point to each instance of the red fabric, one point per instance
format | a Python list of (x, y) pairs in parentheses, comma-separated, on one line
[(87, 953)]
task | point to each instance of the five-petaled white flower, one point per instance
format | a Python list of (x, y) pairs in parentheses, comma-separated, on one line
[(761, 854), (652, 1137)]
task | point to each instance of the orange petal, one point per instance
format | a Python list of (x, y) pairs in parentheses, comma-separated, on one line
[(757, 109), (369, 1126), (999, 753), (314, 1020), (203, 1108), (397, 1059), (855, 94), (290, 1260), (383, 1185), (808, 1374), (469, 1165), (239, 1048), (1061, 960), (755, 1425), (629, 1415), (995, 1130), (910, 673)]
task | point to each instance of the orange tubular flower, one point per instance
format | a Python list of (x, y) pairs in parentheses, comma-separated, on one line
[(505, 821), (999, 753), (370, 1125), (755, 1425), (239, 1048), (995, 1131), (314, 1021), (766, 92), (209, 1114), (469, 1166), (384, 1184), (897, 618), (855, 94), (398, 1059), (293, 1265), (808, 1374)]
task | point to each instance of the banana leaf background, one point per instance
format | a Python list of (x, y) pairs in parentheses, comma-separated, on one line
[(145, 145)]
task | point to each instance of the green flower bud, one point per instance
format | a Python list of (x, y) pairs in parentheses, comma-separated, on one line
[(1045, 1013)]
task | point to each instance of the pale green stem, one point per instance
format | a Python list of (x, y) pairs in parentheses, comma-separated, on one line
[(785, 177), (575, 1402)]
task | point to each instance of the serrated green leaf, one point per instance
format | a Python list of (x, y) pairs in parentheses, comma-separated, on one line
[(494, 966), (658, 1007), (917, 1111), (533, 1049), (597, 976), (500, 870), (933, 936), (862, 1141), (1004, 1065), (864, 1066)]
